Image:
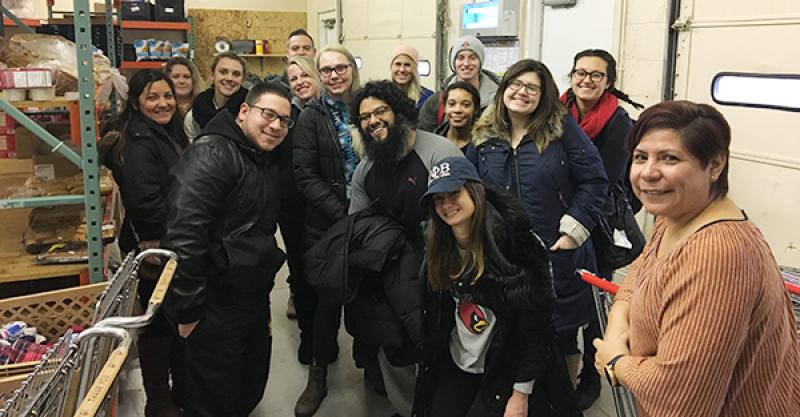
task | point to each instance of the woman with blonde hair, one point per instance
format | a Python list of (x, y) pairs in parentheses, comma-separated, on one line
[(188, 82), (405, 74), (527, 143), (304, 85), (324, 161)]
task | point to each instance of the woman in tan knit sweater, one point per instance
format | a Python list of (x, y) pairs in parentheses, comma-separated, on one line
[(702, 325)]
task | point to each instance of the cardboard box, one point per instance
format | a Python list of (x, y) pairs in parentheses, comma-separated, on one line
[(7, 124), (27, 144), (7, 146), (53, 165)]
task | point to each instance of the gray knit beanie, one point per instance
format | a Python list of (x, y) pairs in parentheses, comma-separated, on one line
[(466, 43)]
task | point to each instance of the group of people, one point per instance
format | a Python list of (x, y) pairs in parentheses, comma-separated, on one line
[(448, 226)]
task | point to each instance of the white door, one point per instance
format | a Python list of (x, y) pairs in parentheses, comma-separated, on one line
[(327, 29), (372, 28), (757, 37)]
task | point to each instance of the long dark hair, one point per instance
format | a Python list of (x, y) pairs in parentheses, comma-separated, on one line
[(544, 125), (611, 73), (441, 251), (136, 86)]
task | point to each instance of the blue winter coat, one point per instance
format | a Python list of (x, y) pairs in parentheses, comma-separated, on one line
[(566, 178)]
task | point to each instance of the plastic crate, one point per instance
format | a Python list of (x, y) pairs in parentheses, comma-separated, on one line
[(52, 313)]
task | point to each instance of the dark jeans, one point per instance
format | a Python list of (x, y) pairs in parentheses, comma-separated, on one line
[(305, 297), (456, 393), (228, 358)]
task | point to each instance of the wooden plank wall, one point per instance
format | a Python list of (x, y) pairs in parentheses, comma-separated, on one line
[(211, 25)]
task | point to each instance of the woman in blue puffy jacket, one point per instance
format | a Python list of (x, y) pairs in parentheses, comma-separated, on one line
[(526, 143)]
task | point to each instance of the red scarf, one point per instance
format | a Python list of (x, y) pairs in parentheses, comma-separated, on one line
[(596, 119)]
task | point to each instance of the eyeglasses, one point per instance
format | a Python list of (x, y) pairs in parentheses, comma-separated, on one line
[(378, 112), (340, 69), (531, 88), (271, 116), (595, 76)]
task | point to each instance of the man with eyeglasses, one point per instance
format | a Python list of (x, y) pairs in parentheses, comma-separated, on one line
[(394, 175), (223, 209)]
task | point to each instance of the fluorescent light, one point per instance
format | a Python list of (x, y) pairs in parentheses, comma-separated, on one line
[(773, 91)]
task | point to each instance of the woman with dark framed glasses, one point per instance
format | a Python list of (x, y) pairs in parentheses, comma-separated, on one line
[(324, 160), (593, 100), (525, 142)]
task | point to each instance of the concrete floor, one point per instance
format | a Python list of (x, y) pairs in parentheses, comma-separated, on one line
[(347, 394)]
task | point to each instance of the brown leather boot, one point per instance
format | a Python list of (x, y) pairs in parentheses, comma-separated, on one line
[(315, 392), (154, 359)]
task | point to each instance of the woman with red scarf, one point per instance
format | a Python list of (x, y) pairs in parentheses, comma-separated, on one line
[(593, 101)]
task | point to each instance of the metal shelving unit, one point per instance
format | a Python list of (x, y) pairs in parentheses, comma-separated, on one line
[(88, 161)]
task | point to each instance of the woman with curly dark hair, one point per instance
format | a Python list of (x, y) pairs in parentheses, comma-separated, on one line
[(462, 108)]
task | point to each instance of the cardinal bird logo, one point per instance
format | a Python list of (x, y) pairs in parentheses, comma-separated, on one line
[(473, 317)]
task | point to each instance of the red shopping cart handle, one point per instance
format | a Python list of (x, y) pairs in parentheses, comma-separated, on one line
[(794, 289), (612, 288), (598, 282)]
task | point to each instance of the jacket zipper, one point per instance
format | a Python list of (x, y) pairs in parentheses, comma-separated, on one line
[(516, 171)]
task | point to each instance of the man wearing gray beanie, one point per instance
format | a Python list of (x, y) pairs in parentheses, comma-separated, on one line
[(466, 61)]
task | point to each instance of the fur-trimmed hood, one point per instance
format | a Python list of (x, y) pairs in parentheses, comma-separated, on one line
[(487, 127)]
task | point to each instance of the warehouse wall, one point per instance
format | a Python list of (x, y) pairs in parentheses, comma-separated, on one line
[(259, 5)]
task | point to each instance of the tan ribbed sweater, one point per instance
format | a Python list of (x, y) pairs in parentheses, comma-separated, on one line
[(712, 330)]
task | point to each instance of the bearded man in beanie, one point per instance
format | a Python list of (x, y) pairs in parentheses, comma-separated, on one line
[(466, 60)]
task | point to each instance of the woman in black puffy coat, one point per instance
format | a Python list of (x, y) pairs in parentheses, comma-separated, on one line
[(144, 143), (490, 341)]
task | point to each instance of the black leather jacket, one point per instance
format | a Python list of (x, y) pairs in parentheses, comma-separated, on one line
[(223, 211)]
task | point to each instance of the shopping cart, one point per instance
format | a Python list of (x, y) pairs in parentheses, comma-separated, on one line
[(49, 389), (117, 301), (604, 290), (791, 279), (77, 377)]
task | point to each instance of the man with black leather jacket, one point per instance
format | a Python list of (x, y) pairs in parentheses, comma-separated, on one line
[(223, 209)]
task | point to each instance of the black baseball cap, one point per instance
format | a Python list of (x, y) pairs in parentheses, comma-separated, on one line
[(448, 175)]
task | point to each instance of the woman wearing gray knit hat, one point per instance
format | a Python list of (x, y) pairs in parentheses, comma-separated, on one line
[(467, 55)]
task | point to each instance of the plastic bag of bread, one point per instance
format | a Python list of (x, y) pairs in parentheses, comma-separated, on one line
[(34, 50)]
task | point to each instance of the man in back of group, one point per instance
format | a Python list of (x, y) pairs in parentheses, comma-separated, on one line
[(299, 43), (393, 174), (223, 210), (466, 60)]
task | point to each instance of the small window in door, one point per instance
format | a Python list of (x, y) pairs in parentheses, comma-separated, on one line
[(770, 91), (424, 68)]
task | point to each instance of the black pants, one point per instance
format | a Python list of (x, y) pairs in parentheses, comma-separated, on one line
[(589, 373), (305, 298), (227, 358), (456, 393)]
